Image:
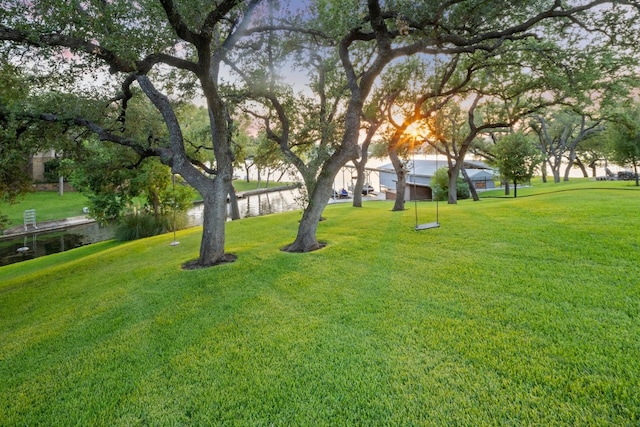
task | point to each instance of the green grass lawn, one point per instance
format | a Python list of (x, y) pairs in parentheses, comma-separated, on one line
[(538, 187), (515, 312), (48, 205), (242, 185)]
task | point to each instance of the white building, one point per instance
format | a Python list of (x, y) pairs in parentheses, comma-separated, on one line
[(421, 172)]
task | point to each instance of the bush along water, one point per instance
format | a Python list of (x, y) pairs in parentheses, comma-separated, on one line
[(144, 224)]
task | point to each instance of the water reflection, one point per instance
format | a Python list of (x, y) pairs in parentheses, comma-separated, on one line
[(39, 244), (254, 205), (44, 243)]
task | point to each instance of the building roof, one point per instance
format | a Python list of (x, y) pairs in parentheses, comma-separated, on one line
[(479, 173), (427, 168), (476, 164), (422, 167)]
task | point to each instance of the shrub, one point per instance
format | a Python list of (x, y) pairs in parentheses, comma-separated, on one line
[(141, 225), (441, 186), (462, 189), (51, 170)]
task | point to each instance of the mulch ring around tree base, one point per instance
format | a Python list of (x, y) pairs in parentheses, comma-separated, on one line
[(319, 246), (196, 265)]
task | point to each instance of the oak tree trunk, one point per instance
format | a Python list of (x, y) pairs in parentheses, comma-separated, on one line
[(359, 185), (401, 182), (306, 240), (233, 204), (214, 192), (213, 223), (453, 185), (472, 188)]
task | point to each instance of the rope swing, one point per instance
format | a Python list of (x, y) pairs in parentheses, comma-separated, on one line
[(436, 223), (428, 225), (173, 184)]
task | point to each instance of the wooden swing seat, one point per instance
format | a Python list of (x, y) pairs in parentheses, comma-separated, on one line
[(427, 226)]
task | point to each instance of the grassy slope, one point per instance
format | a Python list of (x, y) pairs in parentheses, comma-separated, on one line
[(514, 312)]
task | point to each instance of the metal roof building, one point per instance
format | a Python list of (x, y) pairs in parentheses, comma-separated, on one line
[(420, 173)]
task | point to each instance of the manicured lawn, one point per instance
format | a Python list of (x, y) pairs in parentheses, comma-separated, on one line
[(48, 205), (515, 312), (579, 184), (241, 185)]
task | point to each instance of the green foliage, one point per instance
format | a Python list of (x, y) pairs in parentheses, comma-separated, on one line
[(104, 175), (177, 196), (14, 177), (626, 149), (14, 152), (441, 186), (116, 334), (117, 26), (338, 17), (138, 226), (517, 157), (111, 179), (196, 130), (163, 191), (52, 170), (624, 136), (462, 189), (143, 224)]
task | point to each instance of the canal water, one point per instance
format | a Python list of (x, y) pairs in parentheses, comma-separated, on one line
[(39, 244), (254, 205)]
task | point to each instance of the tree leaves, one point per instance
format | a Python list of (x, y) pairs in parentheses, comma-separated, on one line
[(517, 157)]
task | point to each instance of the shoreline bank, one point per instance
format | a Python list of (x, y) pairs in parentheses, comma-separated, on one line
[(64, 223)]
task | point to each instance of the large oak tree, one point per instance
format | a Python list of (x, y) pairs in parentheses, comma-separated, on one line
[(150, 48)]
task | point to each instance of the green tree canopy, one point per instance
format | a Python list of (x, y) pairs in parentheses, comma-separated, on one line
[(624, 138), (154, 51), (517, 158)]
